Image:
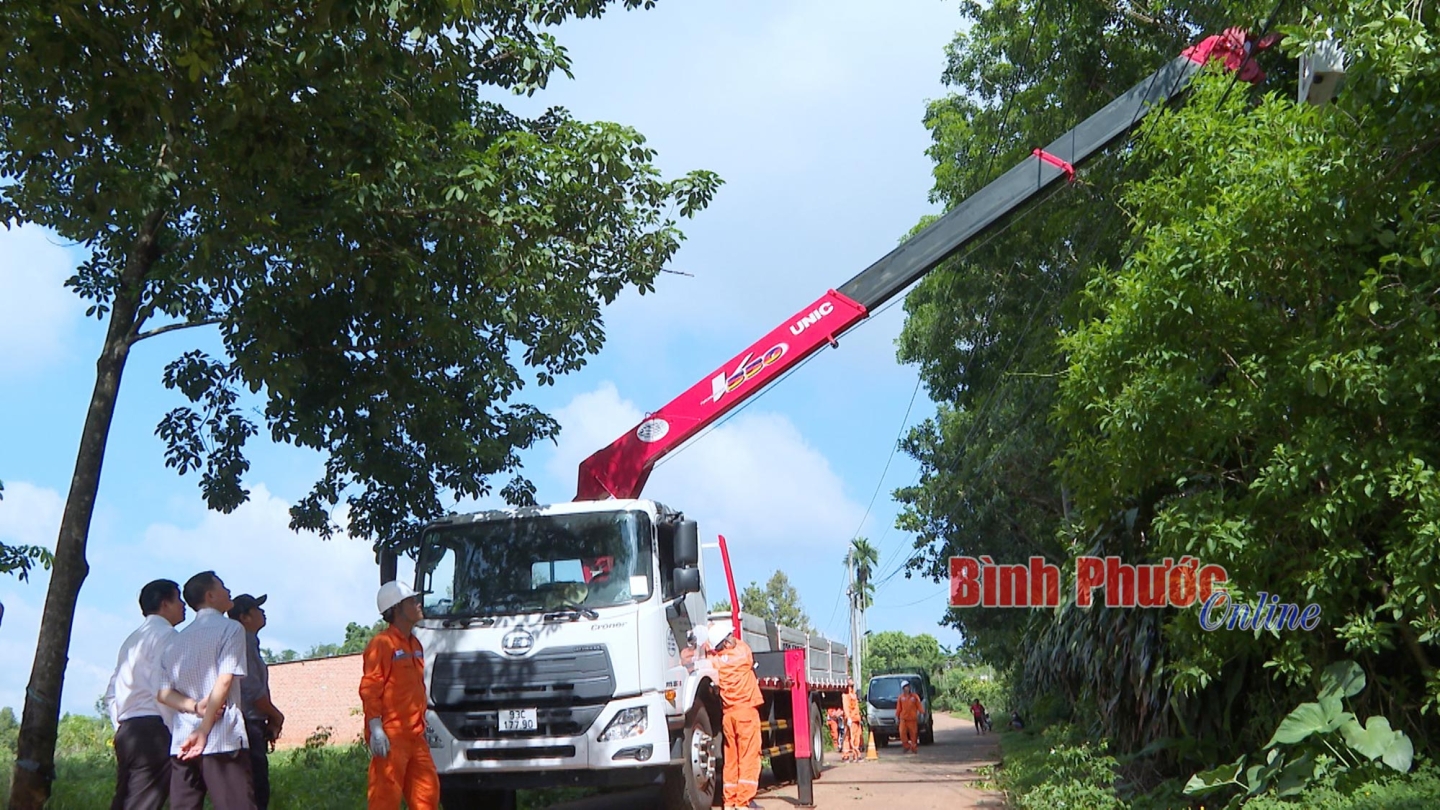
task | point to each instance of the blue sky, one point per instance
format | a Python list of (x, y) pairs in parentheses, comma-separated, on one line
[(810, 110)]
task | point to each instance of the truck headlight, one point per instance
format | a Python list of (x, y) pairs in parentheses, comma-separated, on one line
[(626, 723)]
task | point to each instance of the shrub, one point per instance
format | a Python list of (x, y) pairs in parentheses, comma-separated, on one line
[(1416, 791), (1057, 770)]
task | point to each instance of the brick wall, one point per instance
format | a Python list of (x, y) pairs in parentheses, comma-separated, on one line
[(315, 693)]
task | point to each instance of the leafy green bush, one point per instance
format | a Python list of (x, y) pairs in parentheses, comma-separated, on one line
[(1416, 791), (1057, 770), (956, 688), (82, 735)]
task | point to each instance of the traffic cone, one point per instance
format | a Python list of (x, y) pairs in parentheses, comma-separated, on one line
[(871, 755)]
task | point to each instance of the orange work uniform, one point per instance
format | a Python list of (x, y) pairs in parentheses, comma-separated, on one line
[(852, 720), (832, 719), (740, 696), (907, 712), (393, 689)]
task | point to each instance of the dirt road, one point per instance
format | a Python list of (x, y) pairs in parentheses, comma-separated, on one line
[(942, 776)]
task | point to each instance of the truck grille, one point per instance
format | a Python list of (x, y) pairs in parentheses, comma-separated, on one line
[(567, 686)]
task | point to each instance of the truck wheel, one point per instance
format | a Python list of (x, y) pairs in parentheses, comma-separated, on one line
[(927, 734), (695, 785), (880, 739), (817, 742), (461, 797)]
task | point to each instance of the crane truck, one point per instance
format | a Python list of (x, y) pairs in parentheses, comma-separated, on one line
[(561, 641)]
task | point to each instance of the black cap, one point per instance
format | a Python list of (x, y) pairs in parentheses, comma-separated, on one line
[(244, 603)]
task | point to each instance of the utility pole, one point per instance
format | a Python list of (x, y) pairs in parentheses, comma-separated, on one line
[(857, 619)]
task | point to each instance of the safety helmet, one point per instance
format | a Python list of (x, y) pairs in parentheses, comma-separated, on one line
[(391, 594), (719, 631)]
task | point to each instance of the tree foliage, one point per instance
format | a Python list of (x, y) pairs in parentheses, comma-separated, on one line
[(892, 650), (864, 557), (1245, 373), (282, 657), (387, 254), (983, 327), (357, 636), (367, 231), (777, 602)]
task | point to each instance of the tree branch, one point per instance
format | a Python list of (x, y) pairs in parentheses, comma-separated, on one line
[(173, 327)]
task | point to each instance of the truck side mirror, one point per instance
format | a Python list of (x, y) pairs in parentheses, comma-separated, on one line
[(687, 580), (687, 544), (389, 565)]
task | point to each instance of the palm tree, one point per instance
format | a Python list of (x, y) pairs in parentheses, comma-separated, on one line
[(865, 558)]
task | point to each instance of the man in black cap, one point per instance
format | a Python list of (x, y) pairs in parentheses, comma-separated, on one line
[(262, 720)]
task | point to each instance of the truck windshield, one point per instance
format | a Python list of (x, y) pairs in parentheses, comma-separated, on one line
[(885, 692), (535, 563)]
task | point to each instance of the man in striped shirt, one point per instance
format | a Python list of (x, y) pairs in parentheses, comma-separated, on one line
[(202, 668)]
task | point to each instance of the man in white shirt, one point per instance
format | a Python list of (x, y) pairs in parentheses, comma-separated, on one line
[(142, 734), (203, 667)]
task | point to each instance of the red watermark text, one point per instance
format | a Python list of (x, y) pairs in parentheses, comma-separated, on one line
[(980, 582)]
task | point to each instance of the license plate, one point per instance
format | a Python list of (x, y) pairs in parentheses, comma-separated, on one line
[(518, 720)]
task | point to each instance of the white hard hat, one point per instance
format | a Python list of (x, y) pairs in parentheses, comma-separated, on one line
[(391, 594), (719, 631)]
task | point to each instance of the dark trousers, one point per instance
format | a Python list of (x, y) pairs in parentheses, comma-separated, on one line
[(225, 777), (142, 764), (258, 732)]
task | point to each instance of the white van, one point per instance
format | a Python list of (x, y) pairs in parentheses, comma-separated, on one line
[(881, 696)]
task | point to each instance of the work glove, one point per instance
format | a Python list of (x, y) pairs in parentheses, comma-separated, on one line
[(379, 743)]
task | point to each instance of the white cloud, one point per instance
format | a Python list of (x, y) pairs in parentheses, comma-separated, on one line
[(36, 311), (30, 515), (754, 479), (315, 587)]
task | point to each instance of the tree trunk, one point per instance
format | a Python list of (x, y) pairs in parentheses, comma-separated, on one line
[(35, 754)]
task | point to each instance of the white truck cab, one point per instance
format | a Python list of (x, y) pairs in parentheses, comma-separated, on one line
[(561, 649)]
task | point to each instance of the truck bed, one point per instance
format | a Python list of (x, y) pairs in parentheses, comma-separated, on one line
[(827, 662)]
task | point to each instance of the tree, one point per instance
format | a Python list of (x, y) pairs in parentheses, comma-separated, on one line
[(723, 606), (892, 650), (864, 557), (778, 602), (9, 729), (386, 256), (1242, 374), (1272, 410), (359, 635), (983, 327), (282, 657)]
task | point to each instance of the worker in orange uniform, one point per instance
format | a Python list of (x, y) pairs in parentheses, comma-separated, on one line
[(740, 697), (852, 720), (907, 712), (392, 695), (834, 719)]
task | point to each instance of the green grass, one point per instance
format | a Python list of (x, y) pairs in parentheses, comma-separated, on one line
[(331, 778)]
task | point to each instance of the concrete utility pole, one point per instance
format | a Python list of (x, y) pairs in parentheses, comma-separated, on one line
[(857, 621)]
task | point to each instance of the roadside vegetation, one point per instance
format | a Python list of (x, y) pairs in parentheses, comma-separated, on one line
[(318, 776), (1220, 343)]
